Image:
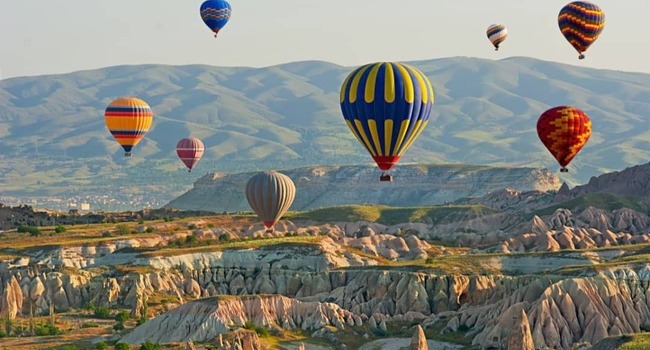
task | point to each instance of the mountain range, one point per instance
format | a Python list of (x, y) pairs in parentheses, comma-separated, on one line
[(55, 143)]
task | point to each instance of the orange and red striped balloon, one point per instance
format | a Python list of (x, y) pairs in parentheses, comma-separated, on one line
[(190, 150), (564, 130), (128, 119)]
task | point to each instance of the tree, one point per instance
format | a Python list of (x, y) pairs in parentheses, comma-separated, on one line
[(60, 229)]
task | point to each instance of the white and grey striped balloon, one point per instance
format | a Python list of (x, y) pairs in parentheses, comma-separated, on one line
[(270, 194)]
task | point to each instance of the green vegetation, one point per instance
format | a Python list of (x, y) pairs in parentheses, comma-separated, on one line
[(391, 216), (636, 342), (122, 346), (261, 331), (33, 231), (60, 229)]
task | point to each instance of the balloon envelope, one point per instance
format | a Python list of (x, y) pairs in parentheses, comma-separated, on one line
[(564, 130), (497, 33), (190, 150), (215, 14), (386, 105), (128, 119), (270, 194), (581, 23)]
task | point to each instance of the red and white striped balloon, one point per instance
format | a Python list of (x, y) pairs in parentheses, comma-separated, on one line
[(190, 150)]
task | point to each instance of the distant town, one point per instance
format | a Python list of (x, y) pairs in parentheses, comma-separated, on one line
[(89, 203)]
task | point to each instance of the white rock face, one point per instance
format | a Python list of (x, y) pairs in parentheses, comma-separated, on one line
[(203, 320)]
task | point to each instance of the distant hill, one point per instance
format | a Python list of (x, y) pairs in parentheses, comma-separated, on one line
[(55, 143), (327, 186)]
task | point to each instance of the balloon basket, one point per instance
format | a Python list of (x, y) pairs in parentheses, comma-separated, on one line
[(564, 170), (386, 177), (581, 57), (127, 154)]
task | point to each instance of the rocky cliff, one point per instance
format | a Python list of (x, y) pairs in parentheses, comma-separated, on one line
[(325, 186), (632, 181)]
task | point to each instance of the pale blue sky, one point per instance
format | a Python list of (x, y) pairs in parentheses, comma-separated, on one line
[(58, 36)]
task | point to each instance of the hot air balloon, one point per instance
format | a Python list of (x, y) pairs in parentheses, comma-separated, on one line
[(581, 23), (190, 150), (215, 14), (270, 195), (497, 33), (564, 130), (128, 119), (386, 105)]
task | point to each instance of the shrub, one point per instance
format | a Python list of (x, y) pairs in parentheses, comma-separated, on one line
[(101, 346), (102, 312), (140, 222), (46, 329), (148, 345), (89, 325), (60, 229), (122, 346), (119, 326), (150, 229), (122, 317), (122, 229), (429, 260), (33, 231), (192, 227)]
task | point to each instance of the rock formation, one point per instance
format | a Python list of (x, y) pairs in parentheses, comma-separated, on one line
[(419, 340), (418, 185), (632, 181), (205, 319)]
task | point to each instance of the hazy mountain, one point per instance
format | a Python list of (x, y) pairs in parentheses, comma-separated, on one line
[(54, 140)]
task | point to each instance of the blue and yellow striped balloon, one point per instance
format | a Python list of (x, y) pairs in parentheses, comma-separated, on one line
[(581, 23), (386, 105)]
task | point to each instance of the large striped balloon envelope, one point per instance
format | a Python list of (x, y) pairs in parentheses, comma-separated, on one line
[(497, 33), (386, 105), (564, 130), (581, 23), (270, 194), (190, 150), (128, 119)]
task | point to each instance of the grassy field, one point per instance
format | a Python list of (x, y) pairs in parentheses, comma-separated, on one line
[(391, 216)]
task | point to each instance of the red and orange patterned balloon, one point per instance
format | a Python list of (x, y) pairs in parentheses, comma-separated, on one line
[(564, 130)]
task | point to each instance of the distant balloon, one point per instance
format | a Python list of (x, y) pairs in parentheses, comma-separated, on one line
[(215, 14), (497, 33), (564, 130), (581, 23), (190, 150), (386, 105), (128, 119), (270, 194)]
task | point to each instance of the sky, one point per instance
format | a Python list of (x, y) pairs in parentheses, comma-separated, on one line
[(40, 37)]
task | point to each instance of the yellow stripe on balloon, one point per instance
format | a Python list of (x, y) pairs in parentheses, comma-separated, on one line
[(421, 83), (389, 84), (355, 83), (359, 126), (356, 134), (344, 88), (419, 127), (409, 94), (388, 136), (372, 125), (371, 82), (402, 133)]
